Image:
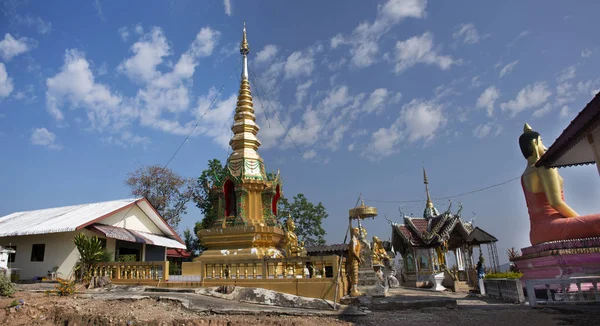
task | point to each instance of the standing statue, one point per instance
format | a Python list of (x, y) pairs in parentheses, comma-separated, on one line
[(352, 263), (551, 219)]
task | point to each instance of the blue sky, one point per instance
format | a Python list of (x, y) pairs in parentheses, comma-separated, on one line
[(369, 92)]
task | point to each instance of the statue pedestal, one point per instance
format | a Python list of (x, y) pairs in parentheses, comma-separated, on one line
[(436, 280), (560, 259), (369, 283)]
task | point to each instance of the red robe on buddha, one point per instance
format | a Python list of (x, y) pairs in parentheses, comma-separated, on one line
[(547, 224)]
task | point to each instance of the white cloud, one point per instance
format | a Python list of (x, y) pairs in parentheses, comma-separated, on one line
[(336, 40), (508, 68), (565, 111), (301, 91), (419, 49), (28, 20), (520, 36), (124, 32), (98, 8), (531, 96), (299, 63), (267, 54), (43, 137), (566, 74), (6, 84), (227, 5), (148, 54), (126, 140), (351, 147), (376, 100), (586, 53), (75, 85), (468, 34), (475, 82), (309, 154), (542, 111), (487, 99), (422, 119), (11, 47), (483, 130), (364, 39)]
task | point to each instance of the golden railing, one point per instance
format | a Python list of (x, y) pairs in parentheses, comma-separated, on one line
[(139, 270), (279, 268)]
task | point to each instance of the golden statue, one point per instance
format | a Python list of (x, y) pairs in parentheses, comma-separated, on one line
[(352, 263), (551, 219), (291, 239), (378, 254), (441, 251)]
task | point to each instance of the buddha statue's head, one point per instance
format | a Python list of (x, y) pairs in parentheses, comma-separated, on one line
[(291, 226), (531, 144), (376, 240), (355, 232)]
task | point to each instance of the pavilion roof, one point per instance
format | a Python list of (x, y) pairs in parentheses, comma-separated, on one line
[(571, 147), (479, 236)]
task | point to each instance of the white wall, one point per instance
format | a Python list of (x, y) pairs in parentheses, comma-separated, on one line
[(135, 219), (60, 251)]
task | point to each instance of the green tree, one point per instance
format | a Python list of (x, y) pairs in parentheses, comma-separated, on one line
[(167, 191), (307, 217), (205, 199), (91, 252), (191, 239)]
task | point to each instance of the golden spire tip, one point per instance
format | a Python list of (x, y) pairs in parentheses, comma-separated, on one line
[(527, 128)]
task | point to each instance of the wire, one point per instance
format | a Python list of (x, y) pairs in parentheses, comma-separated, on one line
[(263, 107), (447, 197), (195, 126)]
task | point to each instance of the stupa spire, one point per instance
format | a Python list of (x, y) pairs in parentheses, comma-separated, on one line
[(430, 210), (244, 142), (426, 182)]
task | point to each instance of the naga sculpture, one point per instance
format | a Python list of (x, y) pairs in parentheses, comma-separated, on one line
[(551, 219)]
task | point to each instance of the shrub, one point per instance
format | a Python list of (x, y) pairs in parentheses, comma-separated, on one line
[(7, 289), (127, 258), (509, 275)]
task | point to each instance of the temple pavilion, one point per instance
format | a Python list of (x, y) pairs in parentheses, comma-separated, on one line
[(247, 246), (424, 243)]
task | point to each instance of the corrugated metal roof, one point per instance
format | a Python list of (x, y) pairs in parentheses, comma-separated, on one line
[(136, 236), (58, 219)]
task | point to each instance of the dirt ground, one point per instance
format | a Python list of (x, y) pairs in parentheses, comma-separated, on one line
[(43, 310)]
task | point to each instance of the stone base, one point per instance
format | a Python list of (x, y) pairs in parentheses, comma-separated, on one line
[(437, 280), (560, 260), (369, 283)]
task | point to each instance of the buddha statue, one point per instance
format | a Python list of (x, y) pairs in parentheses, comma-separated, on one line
[(353, 261), (291, 239), (551, 219), (379, 256)]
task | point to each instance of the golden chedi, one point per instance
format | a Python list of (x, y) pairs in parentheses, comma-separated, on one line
[(246, 199)]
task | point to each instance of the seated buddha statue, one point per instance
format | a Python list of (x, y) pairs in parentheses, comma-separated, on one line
[(551, 219), (291, 239)]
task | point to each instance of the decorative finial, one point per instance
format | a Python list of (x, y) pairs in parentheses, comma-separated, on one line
[(244, 47), (426, 182), (425, 176), (527, 128)]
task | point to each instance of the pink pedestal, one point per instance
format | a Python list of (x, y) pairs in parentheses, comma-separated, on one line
[(560, 259)]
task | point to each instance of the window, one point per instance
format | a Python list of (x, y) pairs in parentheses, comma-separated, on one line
[(37, 252), (11, 257)]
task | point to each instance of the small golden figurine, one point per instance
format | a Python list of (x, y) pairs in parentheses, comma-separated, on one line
[(291, 239)]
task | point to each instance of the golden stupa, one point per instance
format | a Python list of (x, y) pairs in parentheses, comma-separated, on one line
[(247, 198)]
